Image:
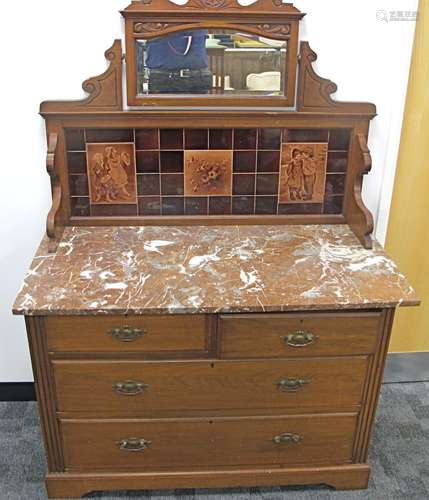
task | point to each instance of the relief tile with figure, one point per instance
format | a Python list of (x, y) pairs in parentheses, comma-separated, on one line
[(303, 173), (208, 173), (111, 173)]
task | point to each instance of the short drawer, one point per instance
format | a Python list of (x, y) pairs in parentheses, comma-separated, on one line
[(128, 334), (295, 335), (145, 387), (178, 444)]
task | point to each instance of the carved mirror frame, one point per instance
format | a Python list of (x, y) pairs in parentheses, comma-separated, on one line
[(148, 19)]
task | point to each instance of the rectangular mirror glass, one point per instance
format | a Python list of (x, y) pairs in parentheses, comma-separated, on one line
[(211, 61)]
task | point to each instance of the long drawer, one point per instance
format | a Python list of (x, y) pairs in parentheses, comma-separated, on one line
[(296, 335), (115, 334), (178, 444), (130, 387)]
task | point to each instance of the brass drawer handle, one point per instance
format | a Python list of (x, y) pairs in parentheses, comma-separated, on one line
[(127, 333), (129, 388), (287, 438), (133, 444), (300, 338), (291, 384)]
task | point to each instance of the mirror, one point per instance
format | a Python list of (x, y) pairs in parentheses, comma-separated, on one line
[(204, 62)]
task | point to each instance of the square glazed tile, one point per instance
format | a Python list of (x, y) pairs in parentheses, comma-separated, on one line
[(243, 205), (268, 161), (196, 138), (75, 139), (109, 135), (172, 184), (339, 139), (76, 163), (305, 135), (333, 205), (78, 185), (300, 208), (150, 205), (244, 161), (245, 138), (266, 205), (148, 184), (111, 173), (172, 206), (147, 138), (196, 206), (147, 162), (243, 184), (335, 184), (220, 205), (113, 210), (267, 184), (171, 162), (220, 138), (269, 138), (171, 138), (80, 207), (208, 173), (337, 161)]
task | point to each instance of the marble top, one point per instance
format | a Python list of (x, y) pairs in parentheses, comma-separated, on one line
[(180, 269)]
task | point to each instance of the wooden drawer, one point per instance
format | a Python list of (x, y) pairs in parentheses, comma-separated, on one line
[(128, 334), (278, 335), (178, 444), (89, 386)]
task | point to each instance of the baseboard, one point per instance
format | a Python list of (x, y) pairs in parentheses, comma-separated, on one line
[(20, 391), (407, 367)]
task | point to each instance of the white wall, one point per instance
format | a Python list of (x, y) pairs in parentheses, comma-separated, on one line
[(56, 44)]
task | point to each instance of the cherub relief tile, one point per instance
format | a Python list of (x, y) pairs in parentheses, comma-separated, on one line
[(111, 173), (303, 173), (208, 173)]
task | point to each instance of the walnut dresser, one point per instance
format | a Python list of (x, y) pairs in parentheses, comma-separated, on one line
[(208, 307)]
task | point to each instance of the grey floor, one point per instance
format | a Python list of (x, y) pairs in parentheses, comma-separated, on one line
[(399, 457)]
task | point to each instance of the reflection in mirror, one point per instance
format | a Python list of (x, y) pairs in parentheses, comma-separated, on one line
[(211, 62)]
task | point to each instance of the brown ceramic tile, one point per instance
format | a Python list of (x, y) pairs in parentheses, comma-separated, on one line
[(303, 173), (80, 207), (150, 205), (243, 205), (305, 135), (220, 138), (269, 138), (266, 205), (172, 206), (148, 184), (300, 208), (245, 138), (78, 185), (196, 138), (75, 139), (333, 205), (172, 184), (208, 173), (244, 161), (243, 184), (171, 162), (220, 205), (111, 173), (335, 184), (113, 210), (147, 138), (268, 161), (267, 184), (171, 138), (337, 161), (147, 162), (76, 163), (339, 139), (196, 206), (109, 135)]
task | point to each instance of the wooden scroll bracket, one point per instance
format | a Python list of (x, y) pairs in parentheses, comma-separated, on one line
[(53, 229), (359, 218), (105, 90), (314, 92)]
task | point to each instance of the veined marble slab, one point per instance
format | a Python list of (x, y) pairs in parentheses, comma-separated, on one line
[(181, 269)]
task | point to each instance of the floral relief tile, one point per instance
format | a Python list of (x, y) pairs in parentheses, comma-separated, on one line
[(111, 172), (303, 173), (208, 173)]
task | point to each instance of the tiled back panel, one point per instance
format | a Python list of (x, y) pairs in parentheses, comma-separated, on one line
[(160, 171)]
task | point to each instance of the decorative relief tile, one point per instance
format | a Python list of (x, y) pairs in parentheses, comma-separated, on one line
[(208, 173), (112, 173), (303, 173)]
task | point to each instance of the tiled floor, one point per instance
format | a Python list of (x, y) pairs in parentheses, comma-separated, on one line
[(399, 457)]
